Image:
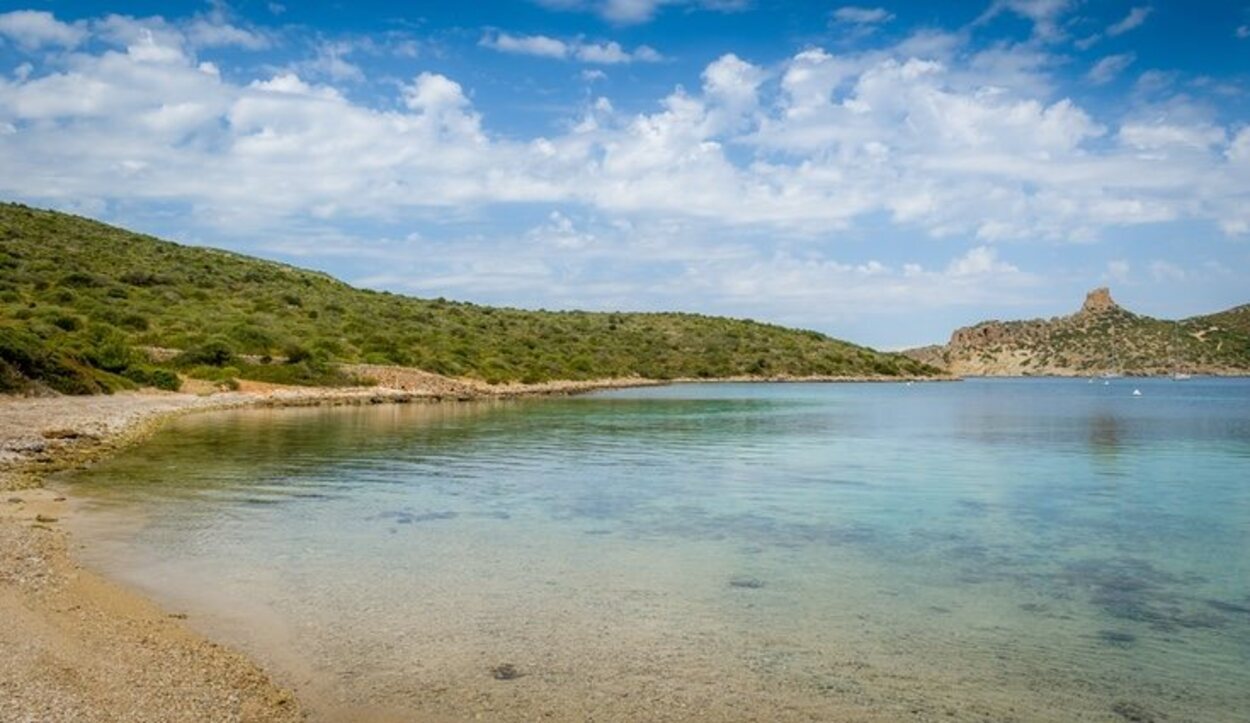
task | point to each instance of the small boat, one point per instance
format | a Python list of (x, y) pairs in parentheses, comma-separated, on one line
[(1137, 392), (1181, 377)]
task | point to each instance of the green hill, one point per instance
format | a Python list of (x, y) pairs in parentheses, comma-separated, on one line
[(83, 305), (1101, 338)]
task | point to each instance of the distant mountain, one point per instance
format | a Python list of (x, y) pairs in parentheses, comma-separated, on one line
[(86, 307), (1101, 338)]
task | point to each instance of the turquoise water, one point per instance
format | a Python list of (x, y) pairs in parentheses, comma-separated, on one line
[(998, 549)]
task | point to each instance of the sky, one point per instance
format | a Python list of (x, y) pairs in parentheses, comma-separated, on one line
[(880, 172)]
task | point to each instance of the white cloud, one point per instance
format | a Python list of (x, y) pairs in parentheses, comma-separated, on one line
[(1110, 67), (1088, 41), (1239, 149), (629, 12), (205, 33), (1118, 271), (1045, 15), (331, 62), (1161, 135), (922, 136), (1134, 19), (1164, 271), (856, 15), (610, 53), (596, 53), (539, 45), (34, 29), (978, 261), (560, 232), (733, 85)]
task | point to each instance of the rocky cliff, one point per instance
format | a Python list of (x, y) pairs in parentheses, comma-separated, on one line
[(1101, 338)]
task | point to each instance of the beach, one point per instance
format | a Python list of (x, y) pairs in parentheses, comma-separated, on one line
[(80, 647)]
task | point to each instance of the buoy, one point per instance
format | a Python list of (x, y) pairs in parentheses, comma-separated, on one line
[(1137, 392)]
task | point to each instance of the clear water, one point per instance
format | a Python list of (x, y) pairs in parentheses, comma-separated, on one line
[(999, 549)]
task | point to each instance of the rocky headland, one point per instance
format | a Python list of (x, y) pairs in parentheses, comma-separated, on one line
[(1100, 338)]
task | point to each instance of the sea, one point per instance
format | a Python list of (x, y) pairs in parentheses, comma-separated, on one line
[(991, 549)]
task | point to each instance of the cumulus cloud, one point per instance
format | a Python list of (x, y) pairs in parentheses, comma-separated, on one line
[(1134, 19), (921, 135), (539, 45), (602, 53), (978, 261), (34, 29)]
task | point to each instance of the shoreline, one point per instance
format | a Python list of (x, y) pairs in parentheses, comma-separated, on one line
[(85, 646)]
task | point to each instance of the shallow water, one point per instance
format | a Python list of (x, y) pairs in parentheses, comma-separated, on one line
[(998, 549)]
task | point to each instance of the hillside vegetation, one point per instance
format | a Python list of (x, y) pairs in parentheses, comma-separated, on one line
[(83, 304), (1101, 338)]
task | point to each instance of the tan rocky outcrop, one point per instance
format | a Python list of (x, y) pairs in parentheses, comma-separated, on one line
[(1100, 338)]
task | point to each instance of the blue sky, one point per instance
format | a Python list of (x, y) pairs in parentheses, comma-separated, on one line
[(881, 172)]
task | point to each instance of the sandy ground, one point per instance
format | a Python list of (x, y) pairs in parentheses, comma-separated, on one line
[(73, 646), (77, 647)]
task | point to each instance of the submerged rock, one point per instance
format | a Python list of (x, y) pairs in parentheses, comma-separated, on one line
[(1227, 607), (1117, 638), (1132, 712), (505, 671)]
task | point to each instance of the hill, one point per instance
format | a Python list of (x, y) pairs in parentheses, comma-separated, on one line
[(1101, 338), (86, 307)]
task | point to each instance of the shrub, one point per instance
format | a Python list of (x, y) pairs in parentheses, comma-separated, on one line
[(66, 322), (135, 322), (295, 354), (142, 278), (81, 280), (108, 349), (25, 356), (154, 377), (215, 352), (165, 379)]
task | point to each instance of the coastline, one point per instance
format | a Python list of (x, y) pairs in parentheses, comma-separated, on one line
[(85, 647)]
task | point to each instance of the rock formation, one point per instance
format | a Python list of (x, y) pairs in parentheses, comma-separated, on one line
[(1101, 338)]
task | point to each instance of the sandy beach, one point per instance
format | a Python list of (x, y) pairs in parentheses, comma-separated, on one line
[(78, 647)]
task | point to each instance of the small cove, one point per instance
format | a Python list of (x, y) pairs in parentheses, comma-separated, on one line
[(1008, 549)]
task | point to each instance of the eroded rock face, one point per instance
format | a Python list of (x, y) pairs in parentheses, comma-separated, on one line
[(1098, 301), (985, 333)]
